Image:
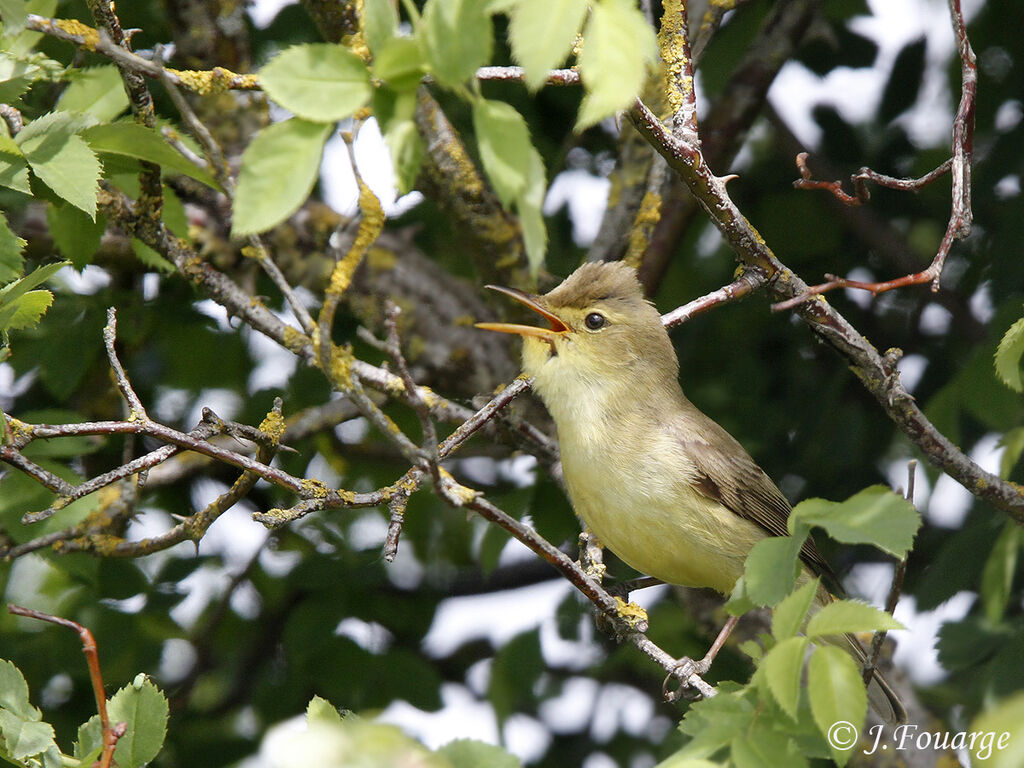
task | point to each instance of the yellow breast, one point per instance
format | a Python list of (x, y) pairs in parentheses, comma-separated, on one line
[(639, 501)]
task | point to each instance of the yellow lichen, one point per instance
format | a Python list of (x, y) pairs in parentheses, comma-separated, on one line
[(631, 613), (216, 80), (643, 228), (672, 41), (313, 488), (341, 367), (253, 252), (90, 37), (370, 228), (430, 399), (294, 340), (273, 425), (459, 493)]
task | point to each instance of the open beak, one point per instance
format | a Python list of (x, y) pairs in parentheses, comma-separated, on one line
[(548, 335)]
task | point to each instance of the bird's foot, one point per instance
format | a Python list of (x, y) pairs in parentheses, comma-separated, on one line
[(690, 672)]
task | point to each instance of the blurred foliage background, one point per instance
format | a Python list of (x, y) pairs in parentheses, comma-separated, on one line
[(243, 629)]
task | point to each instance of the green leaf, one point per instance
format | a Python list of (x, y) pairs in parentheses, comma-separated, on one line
[(25, 311), (1001, 734), (11, 246), (61, 159), (618, 47), (469, 753), (400, 63), (788, 616), (76, 235), (20, 69), (321, 710), (844, 616), (90, 740), (771, 569), (129, 139), (14, 692), (24, 738), (97, 91), (24, 41), (713, 723), (37, 276), (14, 173), (13, 13), (837, 695), (739, 601), (317, 81), (766, 748), (1000, 568), (875, 516), (380, 23), (144, 708), (456, 36), (407, 151), (530, 207), (1008, 356), (542, 33), (279, 168), (677, 761), (782, 667), (505, 148)]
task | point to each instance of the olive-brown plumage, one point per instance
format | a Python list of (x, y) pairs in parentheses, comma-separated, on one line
[(661, 484)]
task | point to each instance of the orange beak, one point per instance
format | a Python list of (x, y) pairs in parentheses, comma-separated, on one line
[(548, 335)]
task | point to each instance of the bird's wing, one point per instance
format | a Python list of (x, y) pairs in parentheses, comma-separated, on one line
[(735, 481)]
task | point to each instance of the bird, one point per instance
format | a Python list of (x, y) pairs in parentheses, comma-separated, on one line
[(662, 485)]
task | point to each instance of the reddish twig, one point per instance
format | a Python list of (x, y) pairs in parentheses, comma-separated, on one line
[(959, 165), (92, 658)]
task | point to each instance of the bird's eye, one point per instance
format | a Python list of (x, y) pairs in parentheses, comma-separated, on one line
[(594, 321)]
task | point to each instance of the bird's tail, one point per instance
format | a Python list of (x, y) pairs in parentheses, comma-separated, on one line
[(881, 696)]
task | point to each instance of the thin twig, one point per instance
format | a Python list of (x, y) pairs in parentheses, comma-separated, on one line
[(137, 410), (412, 391), (894, 590), (747, 283)]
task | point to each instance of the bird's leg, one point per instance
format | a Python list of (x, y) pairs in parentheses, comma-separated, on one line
[(705, 664), (687, 666)]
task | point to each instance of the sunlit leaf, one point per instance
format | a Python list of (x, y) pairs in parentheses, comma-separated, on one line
[(279, 169), (783, 666), (1008, 356), (62, 159), (837, 695), (875, 516), (317, 81), (456, 37), (129, 139), (618, 48), (97, 91), (843, 616), (542, 33)]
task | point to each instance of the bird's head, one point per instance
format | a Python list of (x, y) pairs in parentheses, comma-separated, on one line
[(601, 331)]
